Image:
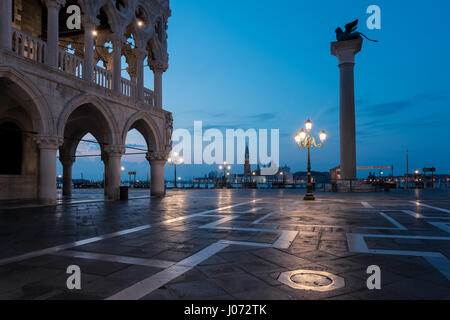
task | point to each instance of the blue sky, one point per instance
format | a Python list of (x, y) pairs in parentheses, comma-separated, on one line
[(265, 64)]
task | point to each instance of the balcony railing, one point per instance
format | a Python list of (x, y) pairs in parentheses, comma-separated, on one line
[(35, 49), (70, 63), (28, 46), (103, 77), (149, 97), (128, 88)]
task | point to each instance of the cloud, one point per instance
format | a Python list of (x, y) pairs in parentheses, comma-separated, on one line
[(386, 109), (263, 116), (390, 108)]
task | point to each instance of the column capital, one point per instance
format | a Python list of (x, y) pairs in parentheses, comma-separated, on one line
[(117, 38), (158, 66), (114, 150), (345, 51), (46, 142), (157, 156), (55, 4), (66, 160), (89, 22), (140, 53)]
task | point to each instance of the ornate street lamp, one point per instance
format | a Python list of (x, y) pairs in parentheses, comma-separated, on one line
[(226, 171), (304, 140), (175, 160)]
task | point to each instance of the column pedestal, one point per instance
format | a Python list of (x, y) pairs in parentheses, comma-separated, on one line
[(345, 51)]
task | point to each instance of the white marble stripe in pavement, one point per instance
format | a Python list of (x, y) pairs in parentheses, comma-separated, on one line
[(444, 226), (152, 283), (208, 211), (367, 205), (285, 240), (115, 258), (420, 204), (421, 216), (397, 225), (66, 246), (356, 243)]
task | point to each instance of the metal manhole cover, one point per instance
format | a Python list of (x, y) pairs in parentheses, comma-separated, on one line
[(311, 280)]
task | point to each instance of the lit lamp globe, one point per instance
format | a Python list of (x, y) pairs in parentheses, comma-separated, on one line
[(308, 125), (323, 136), (301, 135)]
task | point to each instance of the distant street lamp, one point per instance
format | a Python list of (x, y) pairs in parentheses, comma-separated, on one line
[(304, 140), (175, 161), (122, 169), (226, 171)]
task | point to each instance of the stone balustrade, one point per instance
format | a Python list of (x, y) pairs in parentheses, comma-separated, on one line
[(27, 46)]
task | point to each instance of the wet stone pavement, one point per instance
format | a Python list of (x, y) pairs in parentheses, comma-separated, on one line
[(229, 244)]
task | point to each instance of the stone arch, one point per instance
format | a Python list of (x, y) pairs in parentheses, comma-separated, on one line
[(98, 104), (143, 122), (31, 98)]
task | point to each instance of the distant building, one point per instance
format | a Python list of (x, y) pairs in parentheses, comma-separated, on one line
[(247, 167)]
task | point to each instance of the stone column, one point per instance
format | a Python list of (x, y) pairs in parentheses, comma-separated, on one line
[(140, 56), (158, 69), (53, 7), (67, 164), (88, 66), (157, 162), (5, 24), (48, 146), (117, 64), (114, 154), (345, 51), (105, 175)]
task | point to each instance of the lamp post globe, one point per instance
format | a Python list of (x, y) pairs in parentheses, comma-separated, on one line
[(304, 140)]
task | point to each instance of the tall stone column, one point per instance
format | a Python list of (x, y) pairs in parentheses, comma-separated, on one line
[(5, 24), (48, 146), (158, 69), (114, 154), (117, 68), (345, 51), (88, 66), (53, 7), (157, 162), (140, 56), (67, 164), (105, 174)]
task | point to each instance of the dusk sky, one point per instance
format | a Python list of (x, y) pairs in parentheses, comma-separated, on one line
[(267, 65)]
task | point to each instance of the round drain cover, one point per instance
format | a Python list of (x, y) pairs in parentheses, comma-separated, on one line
[(311, 280)]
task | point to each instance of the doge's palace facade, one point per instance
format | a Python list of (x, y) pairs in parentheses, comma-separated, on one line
[(58, 84)]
